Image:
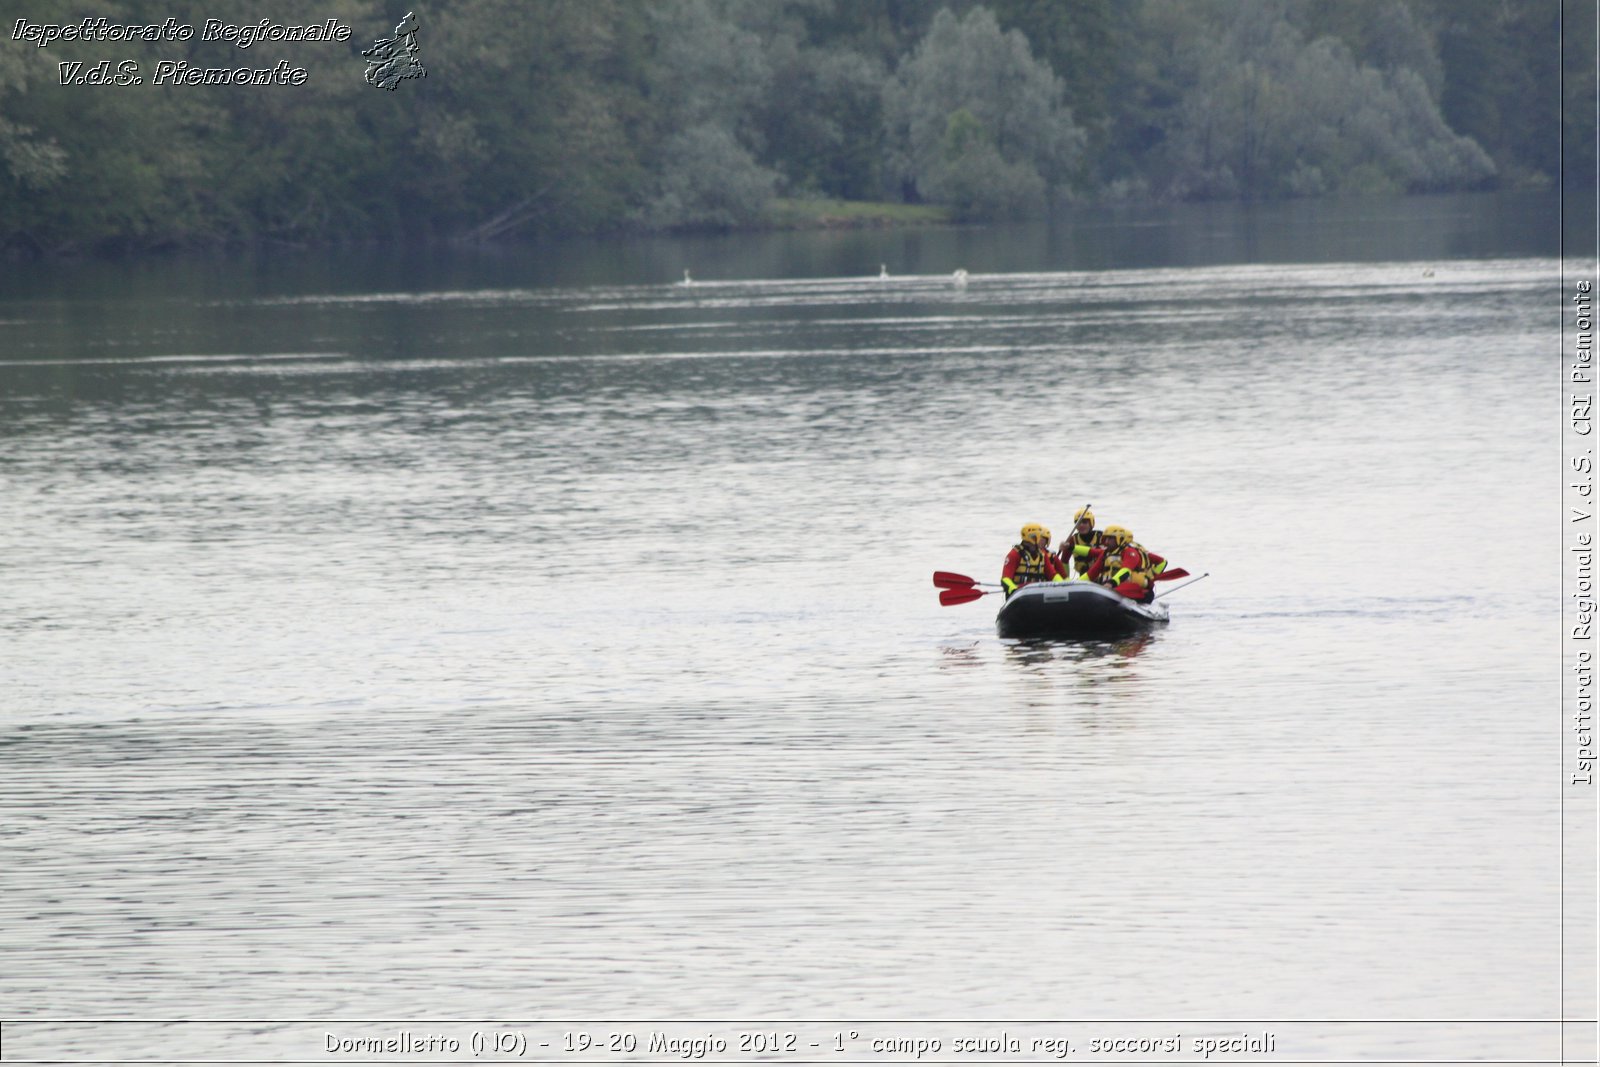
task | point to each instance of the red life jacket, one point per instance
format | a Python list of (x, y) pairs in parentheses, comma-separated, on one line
[(1034, 568), (1135, 561)]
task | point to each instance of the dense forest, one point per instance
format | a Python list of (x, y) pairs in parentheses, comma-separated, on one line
[(545, 116)]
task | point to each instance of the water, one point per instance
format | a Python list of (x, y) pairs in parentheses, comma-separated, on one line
[(527, 637)]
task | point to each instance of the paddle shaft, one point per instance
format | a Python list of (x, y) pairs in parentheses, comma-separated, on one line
[(1174, 589)]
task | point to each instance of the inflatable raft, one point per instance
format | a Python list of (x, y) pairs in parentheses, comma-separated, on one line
[(1074, 609)]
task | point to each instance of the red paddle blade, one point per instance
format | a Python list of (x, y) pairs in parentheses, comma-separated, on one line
[(1176, 572), (951, 580), (960, 596)]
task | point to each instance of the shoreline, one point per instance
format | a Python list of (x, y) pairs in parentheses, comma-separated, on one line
[(782, 215)]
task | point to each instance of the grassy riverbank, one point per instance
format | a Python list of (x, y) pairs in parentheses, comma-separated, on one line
[(791, 214)]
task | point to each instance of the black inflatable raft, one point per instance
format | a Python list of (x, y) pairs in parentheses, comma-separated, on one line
[(1074, 609)]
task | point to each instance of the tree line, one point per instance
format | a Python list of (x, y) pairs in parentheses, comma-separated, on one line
[(574, 116)]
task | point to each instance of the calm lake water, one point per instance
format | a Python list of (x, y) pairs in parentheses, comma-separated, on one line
[(522, 636)]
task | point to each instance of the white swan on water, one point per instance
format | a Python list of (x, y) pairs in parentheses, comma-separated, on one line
[(959, 278)]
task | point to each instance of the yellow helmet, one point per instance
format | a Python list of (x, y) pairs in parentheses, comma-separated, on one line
[(1032, 531), (1083, 515), (1118, 535)]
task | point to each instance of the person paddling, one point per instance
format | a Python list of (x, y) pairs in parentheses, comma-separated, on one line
[(1125, 565), (1079, 545), (1030, 560)]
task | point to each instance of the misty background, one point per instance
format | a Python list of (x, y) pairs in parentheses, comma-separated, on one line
[(597, 116)]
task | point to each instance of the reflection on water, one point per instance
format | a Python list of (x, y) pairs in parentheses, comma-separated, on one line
[(1035, 652), (561, 645), (1078, 677)]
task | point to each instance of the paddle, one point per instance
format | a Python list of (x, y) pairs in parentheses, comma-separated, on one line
[(1067, 562), (962, 596), (951, 580), (1175, 588), (1173, 575)]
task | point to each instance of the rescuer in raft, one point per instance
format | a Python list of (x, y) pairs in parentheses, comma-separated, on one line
[(1030, 560), (1125, 565), (1078, 546)]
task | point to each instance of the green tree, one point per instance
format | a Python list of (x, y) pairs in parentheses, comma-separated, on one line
[(1388, 35), (881, 30), (585, 115), (976, 122), (1262, 113), (1083, 42), (1502, 80), (536, 121), (822, 119), (1579, 120), (30, 163), (706, 80)]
